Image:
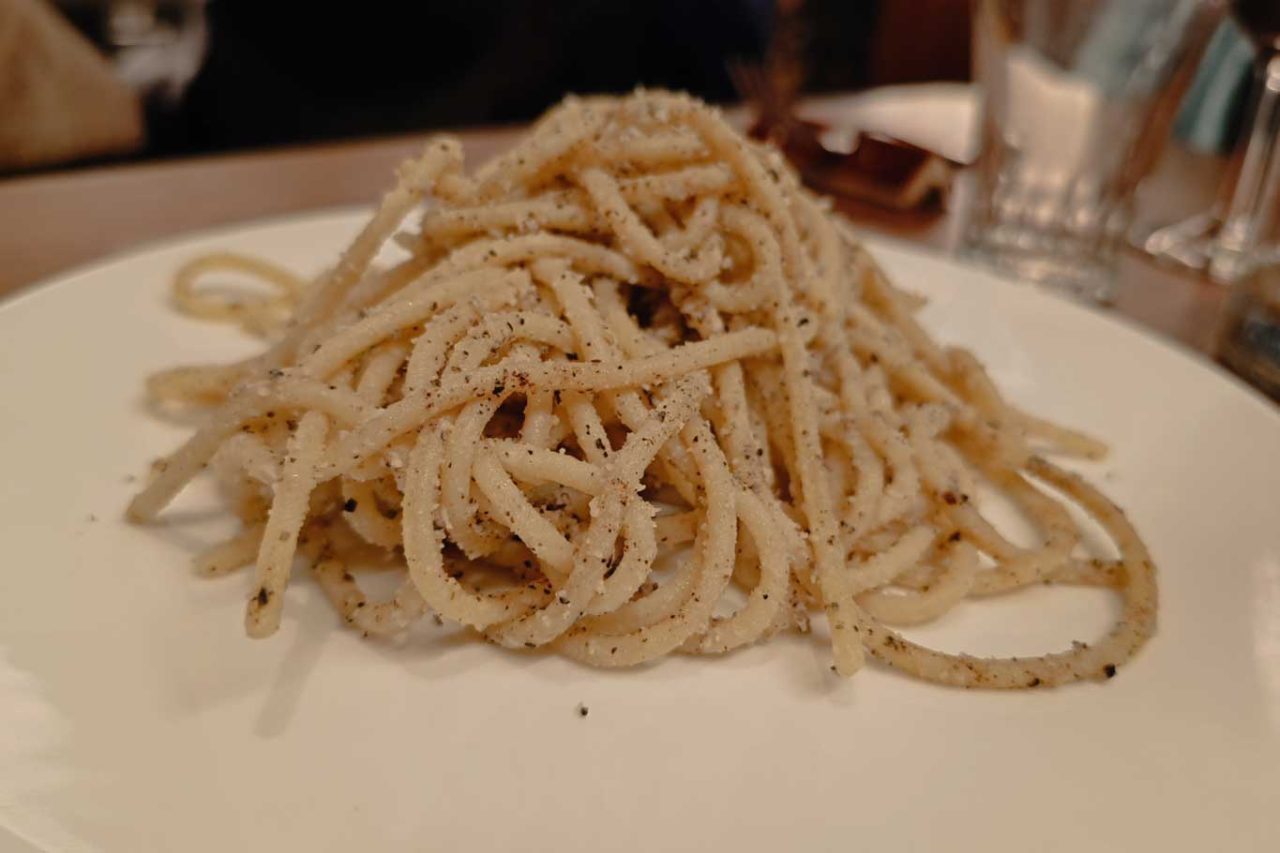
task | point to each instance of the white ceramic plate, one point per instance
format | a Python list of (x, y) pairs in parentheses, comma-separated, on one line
[(135, 716)]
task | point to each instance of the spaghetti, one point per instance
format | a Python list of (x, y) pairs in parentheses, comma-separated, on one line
[(630, 390)]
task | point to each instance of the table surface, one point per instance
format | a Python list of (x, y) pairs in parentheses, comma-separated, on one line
[(53, 223)]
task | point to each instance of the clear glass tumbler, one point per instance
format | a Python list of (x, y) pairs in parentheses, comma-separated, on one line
[(1239, 232), (1078, 96)]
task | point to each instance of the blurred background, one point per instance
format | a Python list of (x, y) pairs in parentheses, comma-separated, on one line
[(88, 81), (83, 81)]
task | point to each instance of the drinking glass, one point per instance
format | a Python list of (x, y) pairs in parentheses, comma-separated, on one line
[(1078, 97), (1237, 235)]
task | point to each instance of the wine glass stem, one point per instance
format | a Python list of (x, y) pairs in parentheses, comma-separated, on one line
[(1253, 202)]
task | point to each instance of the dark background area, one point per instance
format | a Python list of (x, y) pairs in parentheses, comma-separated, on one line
[(272, 73)]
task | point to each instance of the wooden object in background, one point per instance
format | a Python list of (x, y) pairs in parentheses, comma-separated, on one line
[(920, 40)]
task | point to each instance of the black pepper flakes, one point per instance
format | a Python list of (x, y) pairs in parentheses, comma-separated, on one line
[(1109, 670), (350, 505), (583, 710)]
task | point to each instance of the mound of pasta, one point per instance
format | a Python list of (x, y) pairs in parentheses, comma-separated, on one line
[(630, 390)]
